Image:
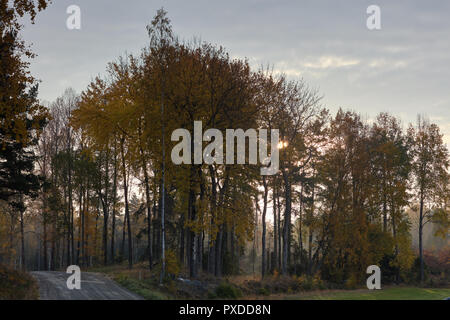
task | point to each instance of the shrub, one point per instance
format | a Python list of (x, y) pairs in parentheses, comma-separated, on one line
[(351, 282), (17, 285), (264, 292), (413, 275), (227, 291), (318, 283), (305, 283)]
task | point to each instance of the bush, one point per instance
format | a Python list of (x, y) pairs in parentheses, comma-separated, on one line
[(227, 291), (17, 285), (438, 261), (305, 283), (413, 275), (264, 292), (282, 284), (352, 282), (318, 283)]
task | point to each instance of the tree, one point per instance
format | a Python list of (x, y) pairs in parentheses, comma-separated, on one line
[(429, 164), (339, 198), (298, 112), (161, 39), (21, 116)]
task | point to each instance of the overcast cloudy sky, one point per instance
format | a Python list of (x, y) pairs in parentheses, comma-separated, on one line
[(404, 68)]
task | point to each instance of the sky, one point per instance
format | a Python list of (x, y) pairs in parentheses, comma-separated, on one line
[(403, 68)]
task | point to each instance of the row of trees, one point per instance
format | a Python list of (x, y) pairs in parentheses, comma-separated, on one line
[(108, 192), (21, 120)]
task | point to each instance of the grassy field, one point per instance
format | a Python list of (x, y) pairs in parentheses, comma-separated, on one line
[(398, 293)]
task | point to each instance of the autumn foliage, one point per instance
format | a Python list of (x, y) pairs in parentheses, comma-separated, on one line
[(109, 193), (16, 285)]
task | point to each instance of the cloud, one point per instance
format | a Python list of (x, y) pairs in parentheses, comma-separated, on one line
[(400, 69), (326, 62), (385, 63)]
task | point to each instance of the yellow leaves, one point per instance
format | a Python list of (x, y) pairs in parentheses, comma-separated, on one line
[(92, 115), (172, 263), (441, 219)]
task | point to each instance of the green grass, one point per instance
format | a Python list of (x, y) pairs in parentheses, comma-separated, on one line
[(142, 288), (399, 293)]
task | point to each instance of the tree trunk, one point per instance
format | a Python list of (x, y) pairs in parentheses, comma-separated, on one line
[(420, 240), (287, 223), (147, 200), (22, 241), (82, 215), (211, 256), (113, 224), (149, 217), (300, 226), (275, 231), (105, 205), (127, 209), (279, 230), (44, 242), (53, 245), (263, 257), (218, 257), (124, 229), (105, 238), (310, 233), (182, 240), (192, 236)]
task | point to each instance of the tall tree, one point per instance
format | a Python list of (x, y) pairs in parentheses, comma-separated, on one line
[(161, 38), (21, 116), (429, 165)]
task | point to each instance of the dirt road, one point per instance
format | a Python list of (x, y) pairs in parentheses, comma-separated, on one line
[(53, 286)]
